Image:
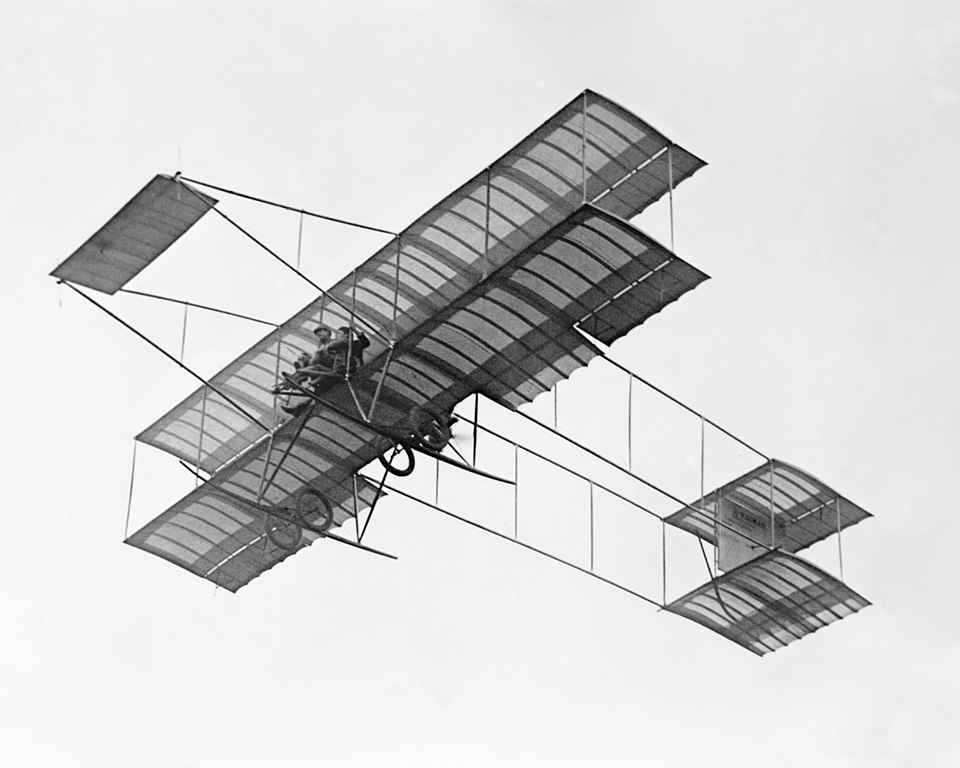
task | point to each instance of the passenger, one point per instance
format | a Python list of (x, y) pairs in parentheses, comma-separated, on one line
[(302, 361), (347, 349), (308, 366), (330, 361)]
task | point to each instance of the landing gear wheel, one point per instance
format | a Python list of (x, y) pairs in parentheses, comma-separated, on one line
[(431, 429), (314, 511), (388, 457), (285, 534)]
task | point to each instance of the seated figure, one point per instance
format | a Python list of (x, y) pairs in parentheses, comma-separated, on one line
[(297, 376), (308, 366), (333, 360), (346, 350)]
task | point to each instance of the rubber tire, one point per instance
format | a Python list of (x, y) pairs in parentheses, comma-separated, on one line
[(281, 533), (430, 429), (393, 448), (309, 519)]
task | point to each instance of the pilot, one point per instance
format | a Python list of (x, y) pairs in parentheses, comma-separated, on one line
[(322, 364), (321, 357)]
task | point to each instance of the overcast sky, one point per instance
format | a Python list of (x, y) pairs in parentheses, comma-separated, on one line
[(827, 336)]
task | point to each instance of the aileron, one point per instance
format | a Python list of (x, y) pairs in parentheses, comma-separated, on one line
[(143, 229)]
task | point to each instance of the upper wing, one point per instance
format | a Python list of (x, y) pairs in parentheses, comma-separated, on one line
[(483, 293), (805, 510), (514, 335), (591, 152)]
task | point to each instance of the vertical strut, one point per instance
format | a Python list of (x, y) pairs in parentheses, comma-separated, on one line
[(396, 291), (591, 526), (486, 230), (476, 422), (383, 375), (183, 337), (353, 312), (663, 552), (583, 147), (703, 439), (773, 532), (630, 422), (839, 542), (133, 467), (356, 506), (556, 392), (716, 529), (276, 371), (266, 463), (203, 418), (299, 240), (670, 182), (516, 494), (262, 489)]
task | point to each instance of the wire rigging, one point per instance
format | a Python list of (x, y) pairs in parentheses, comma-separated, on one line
[(302, 211), (370, 326), (196, 306), (166, 354)]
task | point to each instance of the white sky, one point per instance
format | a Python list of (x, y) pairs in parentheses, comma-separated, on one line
[(827, 218)]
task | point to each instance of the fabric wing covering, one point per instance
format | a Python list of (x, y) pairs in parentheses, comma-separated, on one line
[(805, 509), (769, 602), (218, 533), (591, 144), (143, 229), (483, 293), (510, 338)]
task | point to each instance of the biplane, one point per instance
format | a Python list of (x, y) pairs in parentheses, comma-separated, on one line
[(503, 289)]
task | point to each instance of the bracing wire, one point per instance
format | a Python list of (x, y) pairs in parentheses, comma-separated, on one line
[(196, 306), (169, 356), (290, 208), (369, 326)]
